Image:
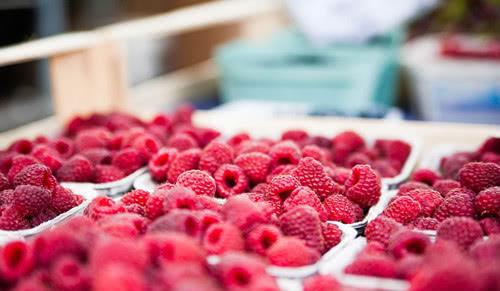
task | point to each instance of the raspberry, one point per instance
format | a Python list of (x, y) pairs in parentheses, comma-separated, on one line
[(492, 144), (165, 186), (396, 150), (461, 190), (462, 230), (76, 169), (253, 146), (255, 166), (332, 235), (237, 139), (107, 173), (380, 229), (6, 161), (63, 200), (260, 188), (243, 213), (445, 186), (339, 208), (16, 260), (43, 216), (50, 245), (345, 143), (136, 208), (64, 146), (128, 160), (363, 186), (403, 209), (291, 252), (12, 219), (19, 162), (36, 175), (119, 276), (178, 220), (442, 277), (486, 250), (6, 197), (479, 176), (385, 168), (21, 146), (305, 196), (357, 158), (490, 225), (322, 283), (408, 266), (409, 186), (487, 202), (428, 199), (214, 155), (118, 251), (182, 142), (98, 156), (284, 153), (155, 206), (490, 157), (239, 271), (296, 135), (30, 200), (92, 138), (172, 247), (124, 225), (407, 242), (426, 223), (179, 197), (136, 197), (312, 174), (425, 176), (207, 218), (280, 171), (303, 222), (373, 248), (230, 180), (160, 163), (182, 114), (103, 206), (205, 135), (48, 157), (198, 181), (372, 265), (67, 273), (450, 166), (456, 205), (315, 152), (185, 161), (260, 239), (223, 237), (340, 175), (321, 141)]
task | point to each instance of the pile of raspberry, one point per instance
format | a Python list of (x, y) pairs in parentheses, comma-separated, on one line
[(460, 259), (298, 169), (30, 195), (106, 148), (295, 238), (104, 255)]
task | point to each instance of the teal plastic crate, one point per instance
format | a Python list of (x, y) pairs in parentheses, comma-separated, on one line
[(346, 78)]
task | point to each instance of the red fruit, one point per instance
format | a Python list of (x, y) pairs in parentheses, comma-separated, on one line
[(490, 225), (291, 252), (223, 237), (461, 190), (107, 173), (253, 146), (285, 153), (345, 143), (403, 210), (373, 248), (386, 168), (16, 260), (357, 158), (339, 208), (118, 251), (456, 205), (4, 182), (303, 222), (450, 166), (315, 152), (48, 157), (98, 156), (13, 219), (103, 206), (373, 265), (408, 266), (238, 271), (425, 176), (136, 197), (322, 283), (43, 216), (280, 171), (255, 166), (147, 145), (214, 155), (172, 247), (407, 242), (64, 146), (490, 157), (118, 277), (207, 218), (179, 197), (261, 238), (185, 161), (238, 139), (92, 138), (426, 223), (6, 197), (486, 250), (260, 188), (396, 150), (445, 186), (409, 186), (30, 200), (21, 146), (243, 213), (76, 169), (363, 186), (441, 277), (380, 229), (36, 175), (19, 162), (63, 200), (312, 174), (279, 190), (160, 163), (479, 176), (205, 135), (332, 235), (198, 181), (128, 160), (230, 180), (487, 202), (68, 273), (155, 206), (124, 225), (305, 196), (178, 220), (339, 174), (182, 142), (296, 135), (428, 199), (492, 144), (462, 230), (58, 242)]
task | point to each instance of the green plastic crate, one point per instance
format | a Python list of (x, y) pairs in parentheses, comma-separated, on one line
[(345, 78)]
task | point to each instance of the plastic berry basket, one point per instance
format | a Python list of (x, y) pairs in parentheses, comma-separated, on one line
[(84, 190), (433, 158), (119, 186)]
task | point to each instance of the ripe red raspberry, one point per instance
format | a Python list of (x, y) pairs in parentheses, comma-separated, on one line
[(260, 188), (6, 197), (303, 222), (291, 252), (43, 216), (172, 247), (345, 143), (223, 237), (373, 248), (230, 180), (238, 138), (315, 152), (208, 217), (124, 225), (128, 160), (198, 181), (461, 190), (13, 219), (487, 202), (456, 205), (340, 175), (178, 220), (147, 145), (214, 155), (160, 163), (450, 165), (30, 200), (182, 142), (408, 266), (486, 250), (478, 176), (363, 186), (255, 166), (118, 251), (155, 206), (63, 200), (252, 146), (103, 206), (386, 168), (243, 213), (261, 238), (425, 176), (406, 243), (136, 197), (396, 150), (76, 169), (21, 146), (381, 228), (19, 162), (36, 175), (409, 186), (279, 189), (428, 199), (403, 210), (492, 144), (312, 174), (68, 273), (285, 153), (107, 173), (373, 265), (119, 276), (92, 138), (64, 146), (280, 171), (98, 156), (238, 271), (16, 260), (445, 186), (48, 157), (205, 135), (180, 197), (490, 157), (462, 230), (339, 208), (4, 182), (332, 235), (187, 160), (357, 158), (322, 283), (305, 196), (425, 223), (296, 135), (490, 225)]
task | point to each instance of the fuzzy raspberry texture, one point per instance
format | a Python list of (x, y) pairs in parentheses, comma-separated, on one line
[(407, 243), (363, 186), (36, 175), (403, 210), (478, 176), (185, 161), (340, 208), (223, 237), (487, 202), (77, 169), (425, 176), (456, 205), (160, 163), (381, 228), (462, 230), (332, 235), (373, 265), (285, 153), (230, 180), (428, 199), (311, 173), (260, 239), (303, 222), (305, 196), (214, 155), (107, 173), (291, 252), (198, 181), (255, 165)]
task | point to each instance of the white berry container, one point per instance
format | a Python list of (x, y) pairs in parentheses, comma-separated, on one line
[(88, 193), (145, 182), (433, 159), (117, 187)]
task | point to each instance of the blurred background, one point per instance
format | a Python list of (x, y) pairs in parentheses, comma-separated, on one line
[(418, 59)]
